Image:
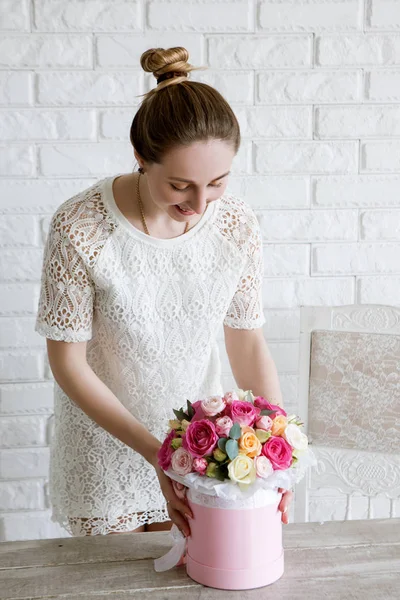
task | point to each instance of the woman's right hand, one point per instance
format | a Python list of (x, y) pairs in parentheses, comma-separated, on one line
[(178, 509)]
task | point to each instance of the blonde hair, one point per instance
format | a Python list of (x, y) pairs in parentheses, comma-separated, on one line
[(179, 111)]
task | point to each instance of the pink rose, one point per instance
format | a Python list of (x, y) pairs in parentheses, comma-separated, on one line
[(200, 465), (198, 411), (223, 426), (230, 397), (264, 423), (213, 405), (182, 462), (279, 452), (200, 438), (165, 452), (242, 412), (179, 489), (263, 404)]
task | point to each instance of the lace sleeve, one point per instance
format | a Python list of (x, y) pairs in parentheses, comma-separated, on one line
[(65, 309), (246, 308)]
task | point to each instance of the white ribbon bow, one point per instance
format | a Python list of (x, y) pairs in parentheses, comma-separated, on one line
[(175, 555)]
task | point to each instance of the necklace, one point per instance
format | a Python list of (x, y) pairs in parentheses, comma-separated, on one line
[(141, 209)]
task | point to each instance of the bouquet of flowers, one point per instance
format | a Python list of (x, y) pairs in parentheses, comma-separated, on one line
[(229, 455), (236, 437)]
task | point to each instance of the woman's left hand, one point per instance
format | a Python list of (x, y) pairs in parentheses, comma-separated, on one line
[(284, 504)]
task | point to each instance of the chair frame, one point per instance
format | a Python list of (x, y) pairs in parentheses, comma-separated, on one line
[(366, 318)]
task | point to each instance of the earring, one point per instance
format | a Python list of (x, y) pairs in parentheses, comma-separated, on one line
[(141, 170)]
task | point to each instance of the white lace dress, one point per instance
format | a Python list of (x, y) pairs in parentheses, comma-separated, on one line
[(150, 310)]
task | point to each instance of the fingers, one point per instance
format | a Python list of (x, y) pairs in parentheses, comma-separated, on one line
[(179, 519), (284, 504)]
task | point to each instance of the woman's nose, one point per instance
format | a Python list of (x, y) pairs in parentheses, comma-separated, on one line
[(199, 202)]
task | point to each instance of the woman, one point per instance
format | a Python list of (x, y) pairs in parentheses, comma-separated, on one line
[(139, 272)]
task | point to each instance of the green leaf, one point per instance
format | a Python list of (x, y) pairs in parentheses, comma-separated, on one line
[(222, 443), (190, 410), (266, 413), (218, 474), (232, 449), (235, 431), (180, 414)]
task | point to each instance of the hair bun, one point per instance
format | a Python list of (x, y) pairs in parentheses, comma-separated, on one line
[(160, 61)]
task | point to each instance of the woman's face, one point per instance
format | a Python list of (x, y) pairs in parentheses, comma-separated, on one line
[(190, 176)]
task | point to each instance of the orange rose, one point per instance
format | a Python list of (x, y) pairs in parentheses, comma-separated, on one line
[(249, 443), (279, 425)]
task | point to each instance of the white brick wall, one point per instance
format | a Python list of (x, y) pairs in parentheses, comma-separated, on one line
[(316, 87)]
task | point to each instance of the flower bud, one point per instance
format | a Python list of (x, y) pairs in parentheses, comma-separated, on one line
[(219, 455)]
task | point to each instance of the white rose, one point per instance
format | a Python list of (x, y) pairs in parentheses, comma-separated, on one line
[(246, 395), (242, 470), (213, 405), (296, 438), (264, 466)]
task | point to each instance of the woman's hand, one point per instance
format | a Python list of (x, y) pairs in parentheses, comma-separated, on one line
[(178, 509), (284, 504)]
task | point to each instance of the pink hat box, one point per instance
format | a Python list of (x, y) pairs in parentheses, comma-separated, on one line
[(235, 545)]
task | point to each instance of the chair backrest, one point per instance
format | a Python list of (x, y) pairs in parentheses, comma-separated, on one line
[(349, 396)]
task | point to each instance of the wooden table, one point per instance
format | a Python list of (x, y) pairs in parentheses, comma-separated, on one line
[(337, 560)]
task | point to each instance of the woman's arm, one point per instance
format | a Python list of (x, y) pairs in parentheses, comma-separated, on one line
[(252, 364), (74, 375)]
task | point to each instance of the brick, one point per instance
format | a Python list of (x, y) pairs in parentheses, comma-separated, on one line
[(348, 259), (358, 49), (289, 388), (16, 88), (242, 163), (40, 124), (88, 89), (382, 85), (380, 225), (25, 398), (281, 260), (295, 292), (274, 192), (281, 325), (382, 156), (20, 366), (379, 290), (21, 495), (20, 264), (122, 50), (308, 225), (24, 462), (46, 51), (14, 15), (18, 298), (357, 121), (236, 86), (19, 333), (38, 195), (19, 230), (115, 123), (356, 190), (305, 157), (99, 159), (20, 432), (383, 14), (308, 86), (87, 16), (206, 16), (259, 52), (306, 15), (18, 161), (285, 355), (35, 525), (275, 121)]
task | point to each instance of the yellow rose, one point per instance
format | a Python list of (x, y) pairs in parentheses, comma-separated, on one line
[(242, 470), (249, 442), (279, 425)]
